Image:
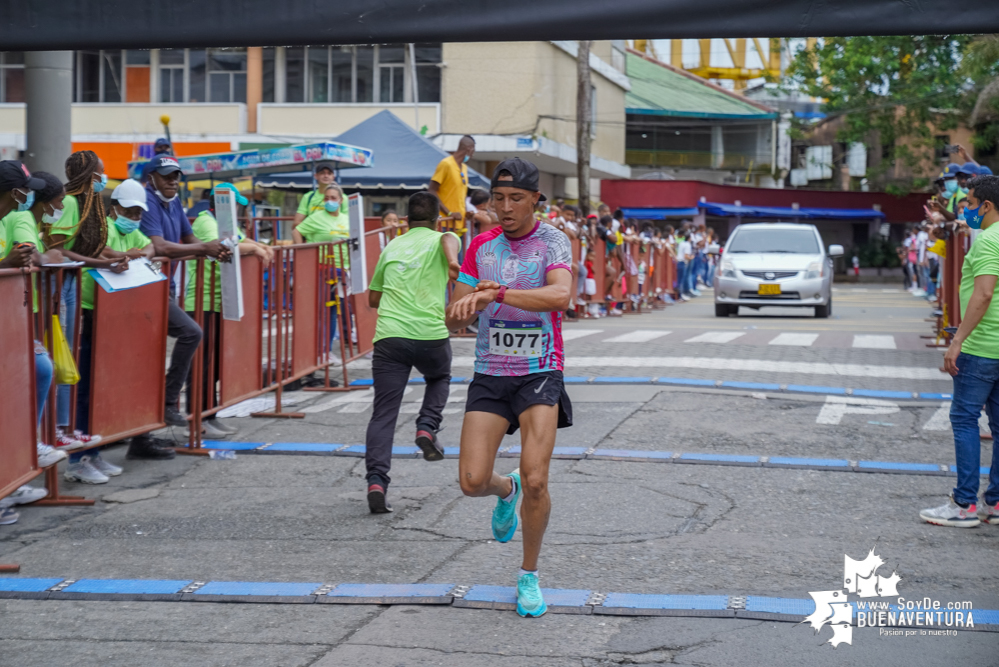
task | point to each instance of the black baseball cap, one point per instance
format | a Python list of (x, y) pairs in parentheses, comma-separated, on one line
[(164, 164), (525, 176), (162, 141), (324, 164), (13, 174)]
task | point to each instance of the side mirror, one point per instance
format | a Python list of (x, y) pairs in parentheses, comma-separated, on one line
[(835, 250), (714, 249)]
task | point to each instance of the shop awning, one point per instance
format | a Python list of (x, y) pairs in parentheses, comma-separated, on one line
[(785, 213), (658, 213)]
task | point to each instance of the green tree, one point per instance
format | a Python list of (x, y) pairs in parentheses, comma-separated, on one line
[(896, 90)]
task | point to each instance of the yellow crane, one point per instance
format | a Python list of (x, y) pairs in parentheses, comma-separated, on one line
[(738, 73)]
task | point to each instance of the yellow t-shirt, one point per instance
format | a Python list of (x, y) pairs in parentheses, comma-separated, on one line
[(453, 181)]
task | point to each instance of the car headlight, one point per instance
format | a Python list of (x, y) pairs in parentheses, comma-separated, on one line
[(727, 269), (815, 270)]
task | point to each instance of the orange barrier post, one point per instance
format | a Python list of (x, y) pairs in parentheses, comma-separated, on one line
[(49, 306), (128, 354), (17, 368)]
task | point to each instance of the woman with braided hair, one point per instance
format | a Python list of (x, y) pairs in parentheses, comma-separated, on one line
[(80, 232)]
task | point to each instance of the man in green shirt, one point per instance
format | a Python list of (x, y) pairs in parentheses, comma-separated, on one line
[(409, 289), (313, 200), (973, 360)]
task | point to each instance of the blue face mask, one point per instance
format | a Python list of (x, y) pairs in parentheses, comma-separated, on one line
[(465, 159), (950, 186), (332, 206), (973, 216), (29, 201), (101, 184), (125, 226)]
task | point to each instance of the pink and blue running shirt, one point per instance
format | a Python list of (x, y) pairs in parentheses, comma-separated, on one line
[(514, 342)]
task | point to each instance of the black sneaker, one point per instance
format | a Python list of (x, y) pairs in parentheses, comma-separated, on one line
[(376, 499), (172, 417), (143, 447), (427, 441)]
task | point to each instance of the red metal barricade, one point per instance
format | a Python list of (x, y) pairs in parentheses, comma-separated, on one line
[(242, 342), (128, 361), (17, 390)]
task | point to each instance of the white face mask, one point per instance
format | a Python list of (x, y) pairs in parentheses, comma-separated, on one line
[(54, 218), (165, 199)]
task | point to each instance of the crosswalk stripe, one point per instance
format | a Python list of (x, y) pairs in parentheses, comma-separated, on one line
[(874, 342), (798, 339), (573, 334), (715, 337), (638, 336)]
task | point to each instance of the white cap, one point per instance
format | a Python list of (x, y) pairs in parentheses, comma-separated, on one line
[(130, 193)]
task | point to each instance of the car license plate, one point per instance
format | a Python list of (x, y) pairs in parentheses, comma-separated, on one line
[(768, 289)]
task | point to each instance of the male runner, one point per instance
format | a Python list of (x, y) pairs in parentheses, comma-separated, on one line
[(515, 280), (408, 289)]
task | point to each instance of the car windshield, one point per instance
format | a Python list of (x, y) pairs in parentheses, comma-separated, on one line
[(775, 240)]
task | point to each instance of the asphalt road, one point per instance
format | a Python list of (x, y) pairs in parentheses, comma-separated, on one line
[(616, 526)]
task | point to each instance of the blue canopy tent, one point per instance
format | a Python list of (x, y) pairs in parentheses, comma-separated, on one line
[(787, 213), (406, 160)]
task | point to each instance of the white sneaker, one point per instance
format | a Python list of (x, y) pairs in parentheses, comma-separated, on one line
[(84, 471), (103, 467), (8, 516), (220, 425), (24, 495), (48, 455), (919, 292), (87, 439), (212, 432), (333, 358), (990, 513), (952, 514)]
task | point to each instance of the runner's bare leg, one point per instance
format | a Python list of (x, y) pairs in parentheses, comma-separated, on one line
[(481, 436), (538, 424)]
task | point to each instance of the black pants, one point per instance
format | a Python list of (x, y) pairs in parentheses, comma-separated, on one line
[(391, 364), (83, 386), (188, 335), (213, 323)]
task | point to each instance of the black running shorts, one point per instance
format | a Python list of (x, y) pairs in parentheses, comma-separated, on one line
[(508, 396)]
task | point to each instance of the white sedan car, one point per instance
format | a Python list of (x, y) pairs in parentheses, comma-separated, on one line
[(775, 264)]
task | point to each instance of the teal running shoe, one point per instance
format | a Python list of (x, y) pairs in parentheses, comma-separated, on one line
[(505, 514), (530, 602)]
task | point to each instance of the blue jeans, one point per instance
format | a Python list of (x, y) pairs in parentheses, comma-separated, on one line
[(681, 277), (43, 379), (63, 391), (976, 384)]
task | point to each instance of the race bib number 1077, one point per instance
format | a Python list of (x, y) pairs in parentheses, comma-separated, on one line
[(515, 339)]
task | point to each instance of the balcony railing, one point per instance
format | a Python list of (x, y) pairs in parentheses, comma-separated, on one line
[(696, 160)]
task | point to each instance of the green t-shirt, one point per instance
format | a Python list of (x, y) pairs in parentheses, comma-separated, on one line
[(19, 227), (982, 260), (118, 242), (206, 228), (321, 227), (412, 277), (312, 202), (69, 223)]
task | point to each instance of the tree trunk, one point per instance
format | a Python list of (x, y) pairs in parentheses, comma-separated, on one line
[(583, 125)]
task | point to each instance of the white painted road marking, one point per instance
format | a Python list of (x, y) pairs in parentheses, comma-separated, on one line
[(756, 365), (874, 342), (836, 407), (573, 334), (638, 336), (799, 339), (940, 421), (715, 337)]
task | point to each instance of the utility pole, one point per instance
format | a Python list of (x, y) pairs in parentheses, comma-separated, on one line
[(48, 88), (583, 125)]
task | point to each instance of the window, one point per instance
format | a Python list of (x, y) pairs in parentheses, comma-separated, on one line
[(172, 76), (226, 75), (268, 83), (428, 72), (794, 241), (11, 76), (319, 72), (391, 74), (342, 71), (295, 74), (111, 85), (196, 65), (364, 76)]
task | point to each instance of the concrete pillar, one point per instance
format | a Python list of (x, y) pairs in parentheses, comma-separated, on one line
[(717, 147), (154, 76), (280, 70), (48, 93), (254, 85)]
